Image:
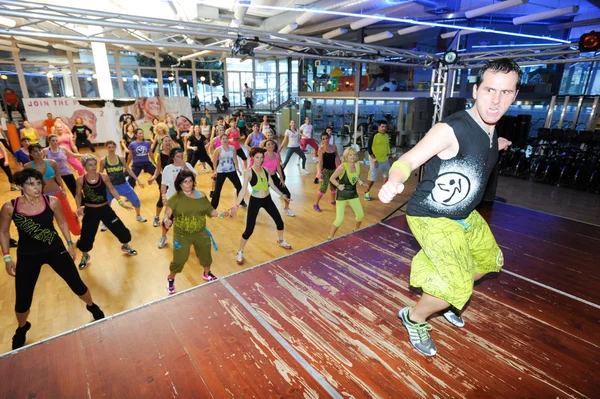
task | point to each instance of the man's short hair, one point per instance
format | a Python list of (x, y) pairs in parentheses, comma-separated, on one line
[(503, 65)]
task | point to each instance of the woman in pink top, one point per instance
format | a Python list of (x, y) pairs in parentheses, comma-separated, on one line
[(234, 140), (272, 163), (66, 140)]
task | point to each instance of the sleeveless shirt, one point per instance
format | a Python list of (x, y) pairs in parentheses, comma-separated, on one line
[(349, 180), (94, 194), (37, 234), (116, 173), (452, 188)]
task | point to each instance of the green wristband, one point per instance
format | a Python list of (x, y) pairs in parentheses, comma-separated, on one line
[(403, 167)]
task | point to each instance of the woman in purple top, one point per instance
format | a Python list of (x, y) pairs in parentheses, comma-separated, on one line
[(140, 152), (60, 154), (255, 138)]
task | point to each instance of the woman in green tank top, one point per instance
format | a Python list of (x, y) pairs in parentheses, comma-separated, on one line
[(345, 178)]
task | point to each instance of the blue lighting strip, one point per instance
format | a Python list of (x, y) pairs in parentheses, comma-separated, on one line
[(401, 20)]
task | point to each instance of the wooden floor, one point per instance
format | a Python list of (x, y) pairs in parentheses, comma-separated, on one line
[(322, 323)]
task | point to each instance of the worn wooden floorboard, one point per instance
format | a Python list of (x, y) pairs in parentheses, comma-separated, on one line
[(342, 299)]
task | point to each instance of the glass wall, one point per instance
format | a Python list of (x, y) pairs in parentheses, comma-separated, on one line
[(381, 77), (9, 78), (149, 82), (323, 75), (37, 81), (239, 73)]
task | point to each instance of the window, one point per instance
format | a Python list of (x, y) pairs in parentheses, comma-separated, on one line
[(149, 82), (38, 84)]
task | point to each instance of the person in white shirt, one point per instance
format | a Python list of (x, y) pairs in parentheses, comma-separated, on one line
[(306, 131), (292, 138), (248, 96)]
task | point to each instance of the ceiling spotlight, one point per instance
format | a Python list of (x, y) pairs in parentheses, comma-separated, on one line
[(89, 79), (245, 46), (184, 80), (3, 77), (136, 77), (212, 82), (171, 78), (50, 76), (589, 42), (202, 78), (155, 80), (124, 79), (95, 76)]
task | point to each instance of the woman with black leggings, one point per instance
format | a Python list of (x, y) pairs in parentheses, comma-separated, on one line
[(6, 168), (91, 193), (260, 180), (37, 247), (225, 159)]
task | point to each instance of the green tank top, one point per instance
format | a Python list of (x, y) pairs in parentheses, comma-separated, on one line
[(349, 180), (259, 182)]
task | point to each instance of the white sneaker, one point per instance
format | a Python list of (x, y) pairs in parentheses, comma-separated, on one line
[(240, 257), (103, 227), (140, 218), (454, 318), (289, 212), (284, 244), (305, 172), (161, 242)]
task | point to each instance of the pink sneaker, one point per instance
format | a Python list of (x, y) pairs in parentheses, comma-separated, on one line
[(209, 276), (171, 286), (284, 244)]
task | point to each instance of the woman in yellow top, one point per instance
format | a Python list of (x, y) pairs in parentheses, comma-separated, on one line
[(30, 133), (260, 180)]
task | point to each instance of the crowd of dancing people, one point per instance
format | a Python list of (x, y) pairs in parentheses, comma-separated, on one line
[(229, 148)]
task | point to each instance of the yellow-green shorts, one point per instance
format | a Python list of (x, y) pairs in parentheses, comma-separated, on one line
[(452, 252)]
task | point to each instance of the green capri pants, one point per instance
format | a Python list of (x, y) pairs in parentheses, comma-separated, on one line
[(452, 252), (326, 175), (340, 209), (182, 242)]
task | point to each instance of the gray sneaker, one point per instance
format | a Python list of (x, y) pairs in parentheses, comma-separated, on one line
[(454, 318), (418, 334), (162, 242)]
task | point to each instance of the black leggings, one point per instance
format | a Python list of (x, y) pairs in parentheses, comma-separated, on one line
[(8, 147), (159, 203), (6, 169), (294, 150), (280, 186), (91, 221), (80, 142), (221, 177), (200, 156), (253, 208), (137, 169), (70, 183), (28, 271)]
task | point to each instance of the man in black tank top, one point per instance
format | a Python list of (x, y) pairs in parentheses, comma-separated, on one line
[(457, 246)]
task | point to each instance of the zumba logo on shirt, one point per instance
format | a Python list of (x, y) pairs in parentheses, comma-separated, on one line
[(450, 188), (456, 186), (35, 231)]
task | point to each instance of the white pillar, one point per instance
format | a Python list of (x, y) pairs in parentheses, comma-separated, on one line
[(102, 71)]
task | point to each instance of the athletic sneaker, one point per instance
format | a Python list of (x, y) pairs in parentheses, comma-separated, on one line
[(243, 205), (284, 244), (128, 250), (316, 207), (240, 258), (454, 318), (84, 261), (367, 196), (162, 242), (95, 311), (20, 336), (171, 286), (316, 181), (209, 276), (211, 193), (140, 218), (103, 227), (305, 172), (332, 203), (418, 334), (156, 222), (14, 188), (289, 212)]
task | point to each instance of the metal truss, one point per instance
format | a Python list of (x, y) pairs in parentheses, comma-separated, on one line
[(64, 23), (559, 54), (439, 77)]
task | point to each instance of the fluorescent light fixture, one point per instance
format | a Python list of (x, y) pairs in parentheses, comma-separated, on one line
[(494, 8), (32, 48), (5, 43), (449, 35), (404, 21), (66, 48), (7, 22), (30, 28), (412, 29), (195, 55), (335, 33), (532, 45), (361, 23), (31, 41), (545, 15), (301, 20), (288, 28), (575, 24), (3, 48), (235, 23), (379, 37)]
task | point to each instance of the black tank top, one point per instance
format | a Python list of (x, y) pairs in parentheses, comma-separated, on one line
[(37, 234), (164, 161), (453, 188), (116, 173), (94, 194), (329, 160)]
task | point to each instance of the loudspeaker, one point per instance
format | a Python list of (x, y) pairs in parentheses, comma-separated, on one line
[(454, 104), (507, 128), (307, 104), (422, 112), (523, 127)]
